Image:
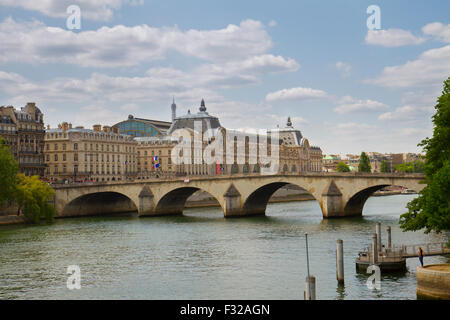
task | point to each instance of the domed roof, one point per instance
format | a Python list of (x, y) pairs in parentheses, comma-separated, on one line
[(188, 120)]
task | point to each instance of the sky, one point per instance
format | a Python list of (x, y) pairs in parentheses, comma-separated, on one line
[(348, 83)]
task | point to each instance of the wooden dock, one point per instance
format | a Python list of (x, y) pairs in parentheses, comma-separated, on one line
[(394, 259), (429, 249)]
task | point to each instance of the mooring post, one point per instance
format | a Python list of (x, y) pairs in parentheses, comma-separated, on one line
[(389, 244), (378, 231), (310, 290), (340, 261), (374, 249)]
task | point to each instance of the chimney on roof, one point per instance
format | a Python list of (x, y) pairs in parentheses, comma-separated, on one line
[(70, 126), (48, 127), (65, 126), (106, 129), (115, 129), (79, 127), (97, 127)]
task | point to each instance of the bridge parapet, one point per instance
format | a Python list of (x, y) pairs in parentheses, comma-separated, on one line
[(339, 194)]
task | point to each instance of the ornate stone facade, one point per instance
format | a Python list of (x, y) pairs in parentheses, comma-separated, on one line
[(295, 153), (24, 132), (78, 154)]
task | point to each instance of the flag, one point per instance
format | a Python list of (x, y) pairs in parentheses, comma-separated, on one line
[(157, 165), (218, 167), (155, 158)]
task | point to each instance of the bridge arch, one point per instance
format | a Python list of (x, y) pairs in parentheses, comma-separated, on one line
[(256, 202), (355, 204), (97, 203), (173, 202)]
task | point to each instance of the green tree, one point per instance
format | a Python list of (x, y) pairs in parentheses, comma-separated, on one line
[(8, 173), (384, 166), (430, 210), (342, 167), (32, 196), (364, 163), (404, 167), (419, 166)]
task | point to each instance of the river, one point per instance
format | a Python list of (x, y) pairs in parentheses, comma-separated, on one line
[(202, 255)]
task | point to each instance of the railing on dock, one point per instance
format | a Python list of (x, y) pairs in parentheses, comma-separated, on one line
[(399, 252), (429, 249)]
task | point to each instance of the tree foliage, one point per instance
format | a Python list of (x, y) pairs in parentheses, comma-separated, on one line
[(416, 166), (384, 166), (8, 173), (32, 196), (364, 163), (342, 167), (431, 209)]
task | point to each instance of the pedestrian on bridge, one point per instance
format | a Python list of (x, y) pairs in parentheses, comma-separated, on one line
[(421, 256)]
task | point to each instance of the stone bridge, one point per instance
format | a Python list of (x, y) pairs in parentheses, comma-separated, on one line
[(339, 194)]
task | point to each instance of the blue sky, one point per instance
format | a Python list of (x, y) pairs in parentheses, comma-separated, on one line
[(347, 88)]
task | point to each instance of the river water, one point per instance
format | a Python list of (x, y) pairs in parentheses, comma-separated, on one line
[(202, 255)]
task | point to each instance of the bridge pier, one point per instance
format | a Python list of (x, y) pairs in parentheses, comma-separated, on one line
[(146, 202), (232, 199), (331, 202)]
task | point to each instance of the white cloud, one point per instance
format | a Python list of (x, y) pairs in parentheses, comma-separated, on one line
[(272, 23), (91, 114), (101, 10), (344, 68), (130, 107), (430, 69), (349, 104), (122, 46), (438, 31), (352, 127), (407, 113), (298, 93), (392, 38)]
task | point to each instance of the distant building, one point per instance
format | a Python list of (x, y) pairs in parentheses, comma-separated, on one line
[(139, 127), (24, 132), (154, 155), (295, 153), (78, 154)]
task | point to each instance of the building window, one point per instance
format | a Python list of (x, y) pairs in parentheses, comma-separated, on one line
[(56, 157), (48, 147), (64, 157), (75, 146), (75, 157), (64, 146), (56, 146)]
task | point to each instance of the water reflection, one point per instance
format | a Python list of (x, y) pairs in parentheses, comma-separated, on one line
[(201, 255)]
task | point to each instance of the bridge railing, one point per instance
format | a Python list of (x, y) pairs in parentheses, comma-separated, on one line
[(428, 248)]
